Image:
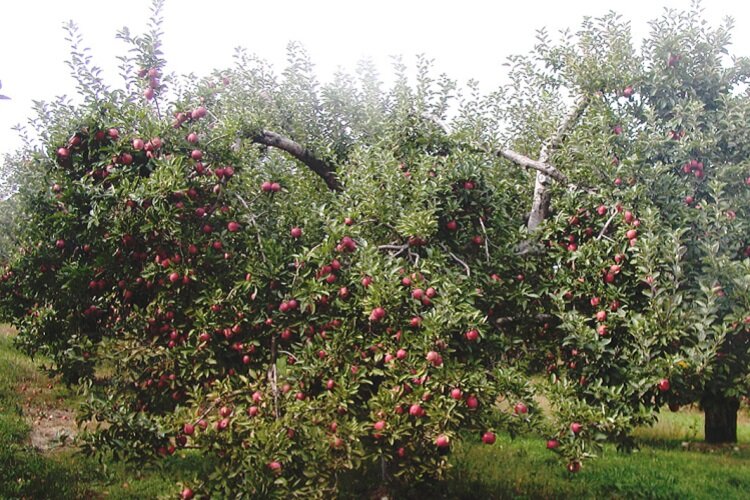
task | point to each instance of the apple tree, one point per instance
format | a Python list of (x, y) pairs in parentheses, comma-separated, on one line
[(299, 280), (291, 279)]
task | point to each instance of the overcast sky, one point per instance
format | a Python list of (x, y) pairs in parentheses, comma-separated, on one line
[(467, 38)]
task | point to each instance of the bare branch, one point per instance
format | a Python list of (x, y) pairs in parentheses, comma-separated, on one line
[(542, 195), (539, 166), (322, 168), (486, 243), (606, 225), (454, 257)]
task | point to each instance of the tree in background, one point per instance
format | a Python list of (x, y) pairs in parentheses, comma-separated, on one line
[(301, 279)]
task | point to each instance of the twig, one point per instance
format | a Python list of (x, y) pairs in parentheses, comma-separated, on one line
[(606, 225), (486, 243), (251, 218), (272, 377), (464, 264), (400, 248)]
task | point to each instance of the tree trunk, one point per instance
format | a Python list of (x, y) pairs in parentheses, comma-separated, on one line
[(721, 418)]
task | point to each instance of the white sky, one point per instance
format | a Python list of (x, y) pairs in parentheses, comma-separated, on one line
[(467, 38)]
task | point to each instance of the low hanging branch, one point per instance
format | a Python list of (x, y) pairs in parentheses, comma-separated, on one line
[(542, 195), (322, 168)]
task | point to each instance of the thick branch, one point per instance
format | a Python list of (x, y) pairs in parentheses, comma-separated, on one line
[(542, 195), (539, 166), (322, 168)]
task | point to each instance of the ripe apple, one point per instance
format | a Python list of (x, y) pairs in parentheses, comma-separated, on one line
[(377, 314), (472, 402), (198, 113), (601, 316), (472, 335), (442, 441), (489, 437), (631, 234), (401, 354), (451, 225), (664, 385), (275, 467), (233, 227), (574, 466), (520, 409), (416, 410), (187, 494), (434, 358), (417, 294), (575, 427), (188, 429), (192, 138), (196, 154), (296, 232), (628, 91), (552, 444), (456, 393)]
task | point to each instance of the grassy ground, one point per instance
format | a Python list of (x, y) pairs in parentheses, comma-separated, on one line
[(28, 397), (670, 464)]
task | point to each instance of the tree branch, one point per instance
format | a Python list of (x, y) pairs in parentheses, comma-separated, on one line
[(537, 165), (542, 195), (322, 168)]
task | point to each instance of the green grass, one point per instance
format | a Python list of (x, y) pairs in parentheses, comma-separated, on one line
[(520, 468), (63, 473), (523, 468)]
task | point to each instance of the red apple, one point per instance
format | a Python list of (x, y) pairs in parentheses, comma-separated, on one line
[(472, 335), (198, 113), (187, 494), (520, 409), (489, 437), (664, 385), (442, 441), (456, 393), (575, 427), (552, 444), (601, 316), (296, 232), (574, 466), (233, 227), (377, 314), (434, 358)]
